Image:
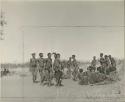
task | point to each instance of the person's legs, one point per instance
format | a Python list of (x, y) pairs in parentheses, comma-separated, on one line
[(107, 71), (42, 76), (103, 69), (69, 73), (59, 82), (75, 75), (49, 78), (33, 75), (59, 79), (56, 78)]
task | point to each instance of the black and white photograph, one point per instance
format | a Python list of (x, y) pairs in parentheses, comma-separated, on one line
[(62, 51)]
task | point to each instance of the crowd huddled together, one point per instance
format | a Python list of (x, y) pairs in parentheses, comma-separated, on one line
[(50, 71), (94, 73)]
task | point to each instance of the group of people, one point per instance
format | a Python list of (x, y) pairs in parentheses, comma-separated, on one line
[(107, 64), (49, 70), (94, 73)]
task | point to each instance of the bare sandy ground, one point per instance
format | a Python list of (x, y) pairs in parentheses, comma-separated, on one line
[(18, 88)]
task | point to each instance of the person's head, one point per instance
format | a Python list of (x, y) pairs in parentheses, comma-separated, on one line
[(55, 55), (33, 55), (41, 55), (70, 58), (73, 56), (101, 54), (106, 56), (110, 56), (58, 56), (94, 57), (49, 55), (80, 70)]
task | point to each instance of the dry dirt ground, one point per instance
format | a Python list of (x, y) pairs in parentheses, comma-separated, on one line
[(19, 88)]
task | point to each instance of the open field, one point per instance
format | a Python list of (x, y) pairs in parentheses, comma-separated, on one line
[(19, 88)]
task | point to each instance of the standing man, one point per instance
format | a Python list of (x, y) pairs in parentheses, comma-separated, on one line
[(55, 64), (58, 70), (113, 63), (69, 67), (102, 63), (93, 63), (75, 68), (106, 64), (41, 63), (33, 67), (48, 69)]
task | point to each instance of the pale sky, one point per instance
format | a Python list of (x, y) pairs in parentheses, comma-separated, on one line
[(102, 29)]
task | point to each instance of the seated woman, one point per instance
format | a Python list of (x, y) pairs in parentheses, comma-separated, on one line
[(95, 77), (82, 77)]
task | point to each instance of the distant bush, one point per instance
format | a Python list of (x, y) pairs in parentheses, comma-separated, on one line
[(13, 65)]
